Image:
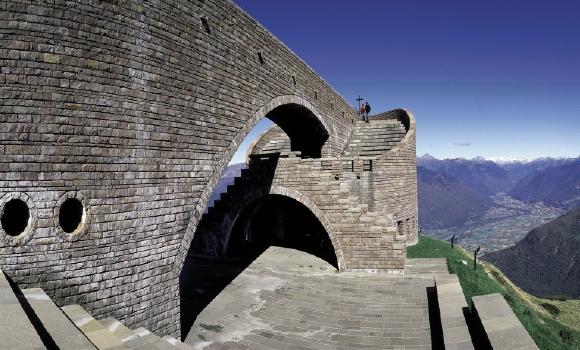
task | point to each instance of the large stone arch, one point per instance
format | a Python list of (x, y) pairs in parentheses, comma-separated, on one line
[(261, 113), (299, 197)]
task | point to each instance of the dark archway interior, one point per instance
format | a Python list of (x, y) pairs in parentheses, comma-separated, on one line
[(306, 132), (280, 221), (70, 215), (270, 220), (15, 216)]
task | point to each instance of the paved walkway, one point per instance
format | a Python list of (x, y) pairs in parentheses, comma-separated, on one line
[(288, 299)]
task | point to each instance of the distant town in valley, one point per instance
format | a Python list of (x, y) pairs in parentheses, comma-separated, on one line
[(493, 204)]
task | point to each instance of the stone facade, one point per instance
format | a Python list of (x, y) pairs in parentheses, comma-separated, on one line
[(367, 204), (134, 109)]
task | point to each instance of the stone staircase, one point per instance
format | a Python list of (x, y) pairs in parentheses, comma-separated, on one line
[(487, 323), (211, 221), (29, 319), (374, 138), (274, 141)]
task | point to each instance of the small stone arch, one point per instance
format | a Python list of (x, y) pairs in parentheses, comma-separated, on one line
[(261, 113), (261, 192)]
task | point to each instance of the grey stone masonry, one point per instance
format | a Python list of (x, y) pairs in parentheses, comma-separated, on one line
[(501, 326), (118, 117), (135, 107)]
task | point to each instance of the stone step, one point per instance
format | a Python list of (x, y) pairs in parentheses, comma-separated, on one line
[(395, 134), (60, 328), (375, 127), (16, 329), (101, 337), (425, 266), (366, 154), (501, 326), (370, 148), (139, 339), (176, 343), (151, 341), (118, 329), (375, 123), (452, 305), (390, 138), (372, 145), (378, 136)]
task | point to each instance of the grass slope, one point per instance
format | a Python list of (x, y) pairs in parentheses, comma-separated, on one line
[(540, 317)]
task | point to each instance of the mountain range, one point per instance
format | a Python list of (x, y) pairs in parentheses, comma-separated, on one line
[(558, 186), (547, 261), (454, 191), (483, 176), (446, 202)]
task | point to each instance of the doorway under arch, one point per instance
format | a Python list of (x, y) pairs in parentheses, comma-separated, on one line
[(277, 220)]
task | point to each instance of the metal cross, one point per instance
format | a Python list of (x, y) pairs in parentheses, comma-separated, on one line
[(359, 99)]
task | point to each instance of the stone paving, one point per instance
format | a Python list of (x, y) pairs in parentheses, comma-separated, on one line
[(287, 299)]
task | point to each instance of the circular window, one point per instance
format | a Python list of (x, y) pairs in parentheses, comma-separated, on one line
[(15, 217), (71, 215)]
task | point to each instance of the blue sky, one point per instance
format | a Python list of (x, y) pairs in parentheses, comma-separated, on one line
[(483, 78)]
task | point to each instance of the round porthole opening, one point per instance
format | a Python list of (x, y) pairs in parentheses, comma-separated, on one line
[(15, 217), (71, 215)]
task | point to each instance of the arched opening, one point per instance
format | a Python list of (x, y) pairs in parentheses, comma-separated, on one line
[(287, 126), (266, 219), (276, 220), (306, 133)]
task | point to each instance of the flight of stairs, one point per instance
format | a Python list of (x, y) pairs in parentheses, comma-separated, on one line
[(274, 140), (29, 319), (374, 138), (259, 174)]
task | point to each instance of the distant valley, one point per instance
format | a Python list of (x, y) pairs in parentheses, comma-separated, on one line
[(492, 204)]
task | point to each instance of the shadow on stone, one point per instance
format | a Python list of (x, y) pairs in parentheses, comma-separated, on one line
[(478, 335), (45, 337), (435, 319), (201, 280)]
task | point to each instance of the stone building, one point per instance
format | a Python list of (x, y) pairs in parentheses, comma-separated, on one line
[(118, 118)]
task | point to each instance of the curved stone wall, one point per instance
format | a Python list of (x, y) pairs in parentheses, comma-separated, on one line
[(396, 178), (138, 106)]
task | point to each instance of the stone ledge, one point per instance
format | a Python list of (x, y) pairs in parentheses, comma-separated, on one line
[(500, 324)]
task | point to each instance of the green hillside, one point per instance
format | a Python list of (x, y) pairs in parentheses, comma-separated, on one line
[(540, 317)]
